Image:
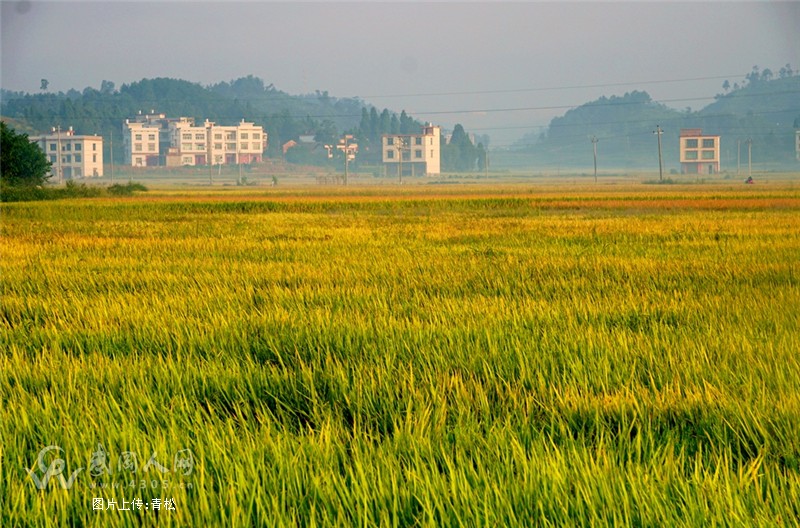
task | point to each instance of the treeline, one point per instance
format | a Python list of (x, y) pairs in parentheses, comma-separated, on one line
[(284, 117), (102, 111)]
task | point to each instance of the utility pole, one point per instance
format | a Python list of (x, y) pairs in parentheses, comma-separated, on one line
[(594, 146), (345, 146), (658, 133), (111, 154), (749, 156), (57, 130), (401, 147), (738, 155)]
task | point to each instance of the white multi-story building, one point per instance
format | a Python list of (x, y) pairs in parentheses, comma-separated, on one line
[(242, 143), (699, 153), (154, 139), (80, 156), (188, 143), (413, 154), (141, 140)]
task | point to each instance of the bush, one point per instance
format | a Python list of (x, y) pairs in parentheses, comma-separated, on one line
[(22, 193), (28, 193), (75, 190), (125, 190)]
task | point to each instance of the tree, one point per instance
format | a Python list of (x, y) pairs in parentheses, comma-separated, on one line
[(23, 163), (107, 87), (460, 154)]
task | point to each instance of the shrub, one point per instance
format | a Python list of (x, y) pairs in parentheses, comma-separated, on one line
[(126, 190)]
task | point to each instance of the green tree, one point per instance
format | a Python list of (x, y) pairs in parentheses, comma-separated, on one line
[(23, 162), (460, 154)]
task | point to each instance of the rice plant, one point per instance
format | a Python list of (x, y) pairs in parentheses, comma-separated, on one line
[(486, 357)]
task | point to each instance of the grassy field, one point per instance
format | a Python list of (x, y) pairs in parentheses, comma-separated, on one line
[(442, 356)]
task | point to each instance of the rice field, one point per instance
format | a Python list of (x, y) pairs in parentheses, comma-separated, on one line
[(452, 356)]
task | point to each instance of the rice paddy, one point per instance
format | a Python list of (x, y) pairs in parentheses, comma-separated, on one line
[(457, 356)]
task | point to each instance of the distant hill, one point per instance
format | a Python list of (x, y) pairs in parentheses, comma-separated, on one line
[(763, 109), (102, 111)]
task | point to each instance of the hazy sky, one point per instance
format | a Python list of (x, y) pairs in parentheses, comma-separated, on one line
[(512, 66)]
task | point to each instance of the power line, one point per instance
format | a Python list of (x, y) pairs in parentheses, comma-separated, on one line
[(553, 88)]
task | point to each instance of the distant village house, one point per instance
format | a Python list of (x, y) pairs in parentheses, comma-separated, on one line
[(71, 155), (699, 153), (155, 140), (413, 154)]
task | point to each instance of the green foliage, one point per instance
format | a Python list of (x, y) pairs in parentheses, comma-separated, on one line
[(73, 189), (23, 162), (125, 190), (459, 154)]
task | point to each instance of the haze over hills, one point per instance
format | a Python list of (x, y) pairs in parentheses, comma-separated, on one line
[(764, 107)]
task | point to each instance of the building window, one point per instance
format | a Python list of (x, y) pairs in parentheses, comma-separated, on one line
[(94, 146), (418, 154), (707, 155), (256, 136), (151, 147), (138, 137), (151, 137), (230, 136), (200, 146), (390, 154), (217, 136), (68, 146), (691, 143), (691, 154), (137, 147), (230, 146), (94, 158), (68, 158), (77, 158), (186, 136), (53, 147), (389, 141), (78, 146), (186, 146), (52, 158), (245, 135), (200, 137), (217, 146), (708, 143), (244, 146), (418, 141)]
